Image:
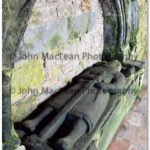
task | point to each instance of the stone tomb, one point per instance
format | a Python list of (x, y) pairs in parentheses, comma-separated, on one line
[(107, 28), (86, 113)]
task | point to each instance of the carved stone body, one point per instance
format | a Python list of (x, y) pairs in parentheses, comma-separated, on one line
[(86, 112)]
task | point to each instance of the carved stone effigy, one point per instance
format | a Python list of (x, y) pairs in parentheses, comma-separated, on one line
[(86, 113), (71, 118)]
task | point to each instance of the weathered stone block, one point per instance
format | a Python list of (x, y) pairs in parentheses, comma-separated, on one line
[(51, 36), (92, 21), (45, 38), (80, 23), (50, 1), (77, 7), (40, 3), (23, 108), (26, 75)]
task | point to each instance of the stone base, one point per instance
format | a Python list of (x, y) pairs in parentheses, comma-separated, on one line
[(109, 123)]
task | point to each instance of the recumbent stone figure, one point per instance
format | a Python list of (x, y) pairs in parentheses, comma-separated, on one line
[(87, 111)]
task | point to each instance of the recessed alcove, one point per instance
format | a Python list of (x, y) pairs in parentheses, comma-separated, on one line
[(62, 40)]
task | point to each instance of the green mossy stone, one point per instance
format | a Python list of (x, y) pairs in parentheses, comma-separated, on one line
[(56, 41), (13, 142), (23, 108), (27, 75)]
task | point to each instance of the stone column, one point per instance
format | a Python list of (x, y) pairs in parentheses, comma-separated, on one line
[(16, 14)]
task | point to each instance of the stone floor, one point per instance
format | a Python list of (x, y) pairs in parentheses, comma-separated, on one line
[(132, 134)]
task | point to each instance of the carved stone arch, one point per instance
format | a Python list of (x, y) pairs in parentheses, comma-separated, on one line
[(15, 15), (121, 23)]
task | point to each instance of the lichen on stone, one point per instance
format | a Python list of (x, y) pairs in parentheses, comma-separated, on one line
[(55, 45), (66, 80), (72, 34), (23, 108), (54, 72), (13, 142), (81, 64), (26, 75), (35, 17), (56, 41)]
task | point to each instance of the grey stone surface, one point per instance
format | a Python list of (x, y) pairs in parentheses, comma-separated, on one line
[(55, 34), (45, 37), (92, 146), (80, 23), (92, 21), (15, 18), (134, 21), (50, 1), (134, 13), (39, 3), (109, 37)]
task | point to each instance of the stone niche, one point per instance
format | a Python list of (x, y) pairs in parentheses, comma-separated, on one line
[(61, 40)]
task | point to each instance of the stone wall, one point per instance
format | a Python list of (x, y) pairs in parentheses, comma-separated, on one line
[(61, 27), (62, 39)]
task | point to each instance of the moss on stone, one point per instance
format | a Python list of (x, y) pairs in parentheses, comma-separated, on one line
[(15, 18), (56, 41), (35, 18), (73, 41), (113, 53), (23, 108), (115, 112), (81, 63), (72, 34), (112, 125), (76, 34), (88, 23), (133, 40), (125, 103), (114, 25), (27, 75), (13, 142), (66, 80), (55, 45), (55, 72), (32, 41)]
